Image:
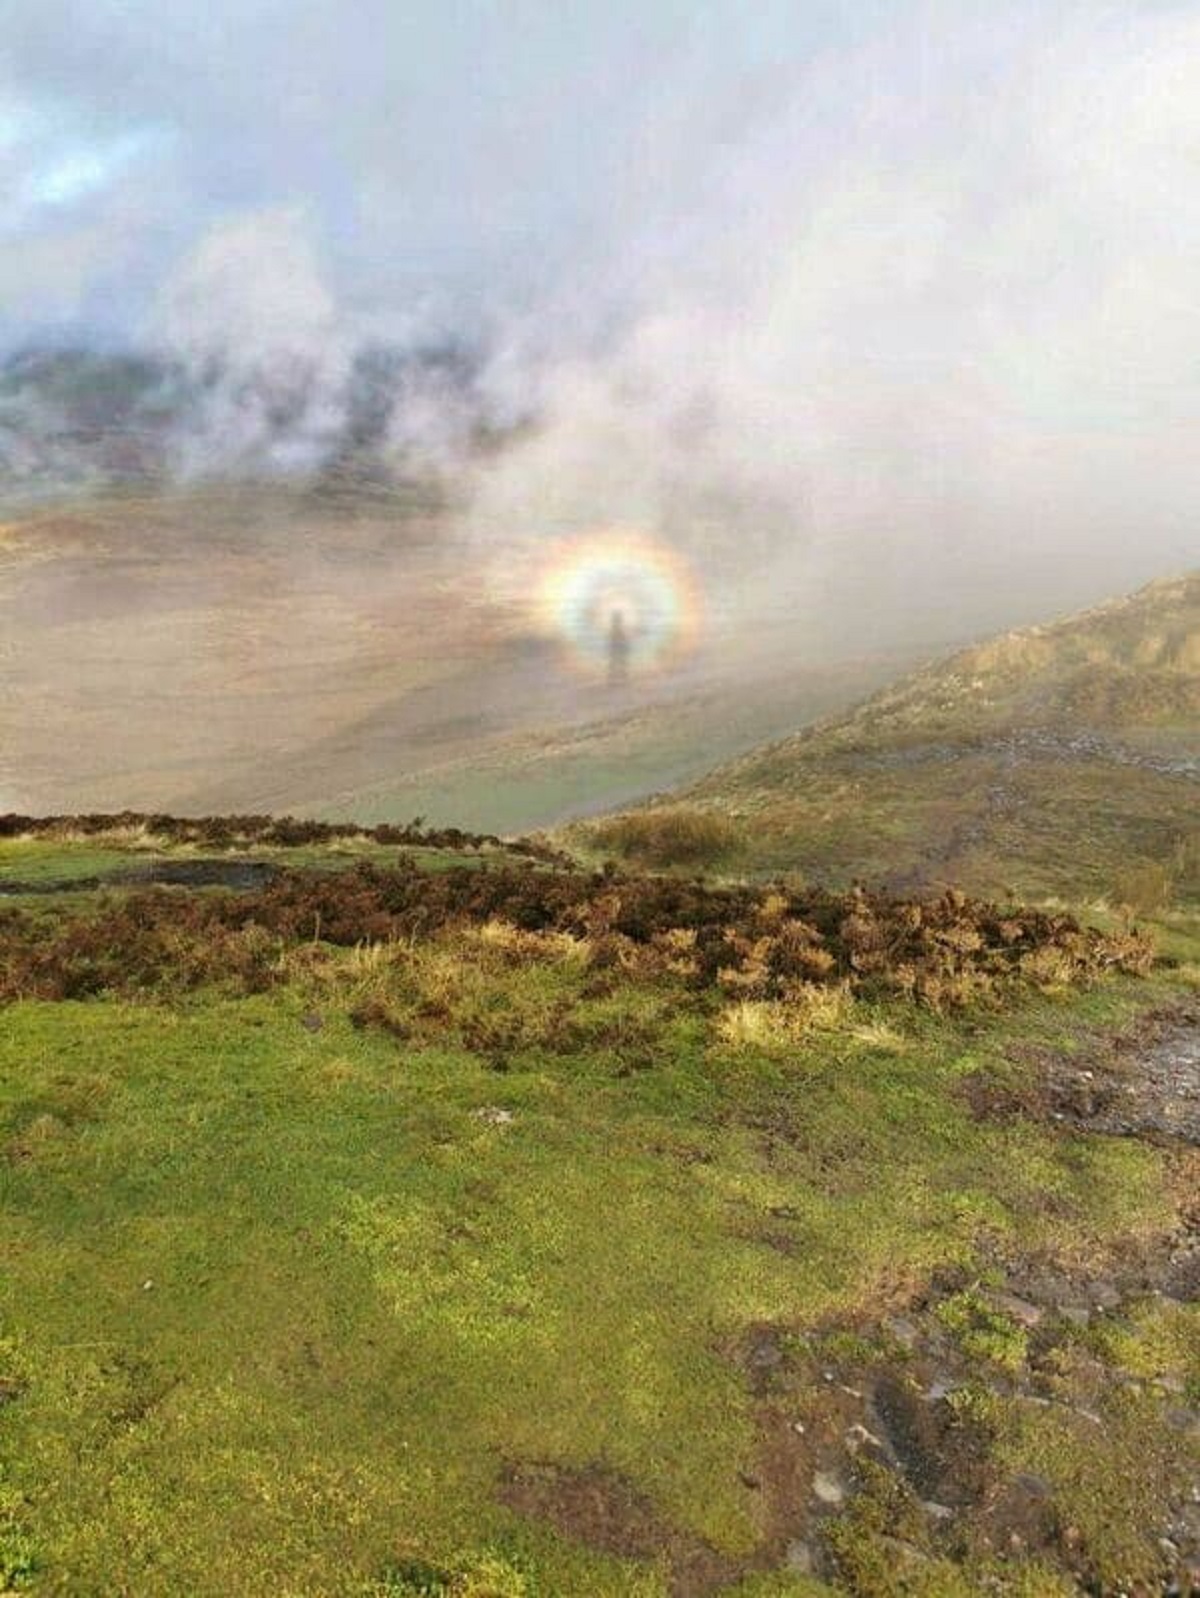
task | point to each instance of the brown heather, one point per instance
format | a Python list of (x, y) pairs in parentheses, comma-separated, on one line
[(747, 942)]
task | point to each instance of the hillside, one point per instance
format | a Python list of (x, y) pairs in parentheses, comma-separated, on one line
[(401, 1215), (1053, 760), (262, 647)]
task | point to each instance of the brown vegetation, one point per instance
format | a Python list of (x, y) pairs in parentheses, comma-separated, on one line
[(751, 943), (281, 832)]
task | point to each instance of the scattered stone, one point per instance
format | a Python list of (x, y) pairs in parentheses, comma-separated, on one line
[(1049, 1289), (827, 1489), (799, 1558), (1017, 1309), (1185, 1527), (903, 1331), (493, 1115), (1150, 1084), (938, 1512), (858, 1437), (1076, 1314), (764, 1352)]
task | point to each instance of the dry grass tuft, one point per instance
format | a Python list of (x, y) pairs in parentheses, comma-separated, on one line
[(515, 945), (773, 1024), (881, 1037), (657, 839)]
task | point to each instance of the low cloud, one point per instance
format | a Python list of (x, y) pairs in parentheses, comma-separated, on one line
[(885, 317)]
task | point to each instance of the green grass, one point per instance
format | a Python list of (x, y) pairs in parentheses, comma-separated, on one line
[(59, 862), (288, 1282), (280, 1303), (47, 862)]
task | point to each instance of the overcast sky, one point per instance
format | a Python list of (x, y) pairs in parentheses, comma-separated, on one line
[(905, 283), (461, 151)]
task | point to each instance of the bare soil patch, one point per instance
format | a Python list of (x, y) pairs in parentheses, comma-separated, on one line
[(598, 1507)]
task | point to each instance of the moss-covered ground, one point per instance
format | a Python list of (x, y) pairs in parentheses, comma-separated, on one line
[(298, 1288)]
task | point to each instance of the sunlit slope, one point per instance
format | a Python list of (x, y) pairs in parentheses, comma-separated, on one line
[(1052, 759)]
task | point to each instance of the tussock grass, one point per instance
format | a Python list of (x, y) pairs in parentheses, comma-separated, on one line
[(660, 839), (1144, 888), (880, 1035), (131, 829), (778, 1024)]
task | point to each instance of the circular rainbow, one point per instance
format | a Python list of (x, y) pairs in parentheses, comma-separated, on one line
[(622, 581)]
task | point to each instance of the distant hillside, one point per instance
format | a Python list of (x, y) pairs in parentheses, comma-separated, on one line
[(80, 420), (257, 646), (1057, 759), (1129, 669)]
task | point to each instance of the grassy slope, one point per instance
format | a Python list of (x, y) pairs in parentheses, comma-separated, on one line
[(1044, 761), (362, 1299), (368, 1298), (281, 1297), (56, 862)]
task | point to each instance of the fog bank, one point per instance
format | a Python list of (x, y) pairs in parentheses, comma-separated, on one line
[(884, 316)]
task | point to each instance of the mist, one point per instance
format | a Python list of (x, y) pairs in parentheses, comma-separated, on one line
[(884, 316)]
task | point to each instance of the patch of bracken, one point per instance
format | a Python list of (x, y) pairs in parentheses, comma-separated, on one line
[(748, 941)]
